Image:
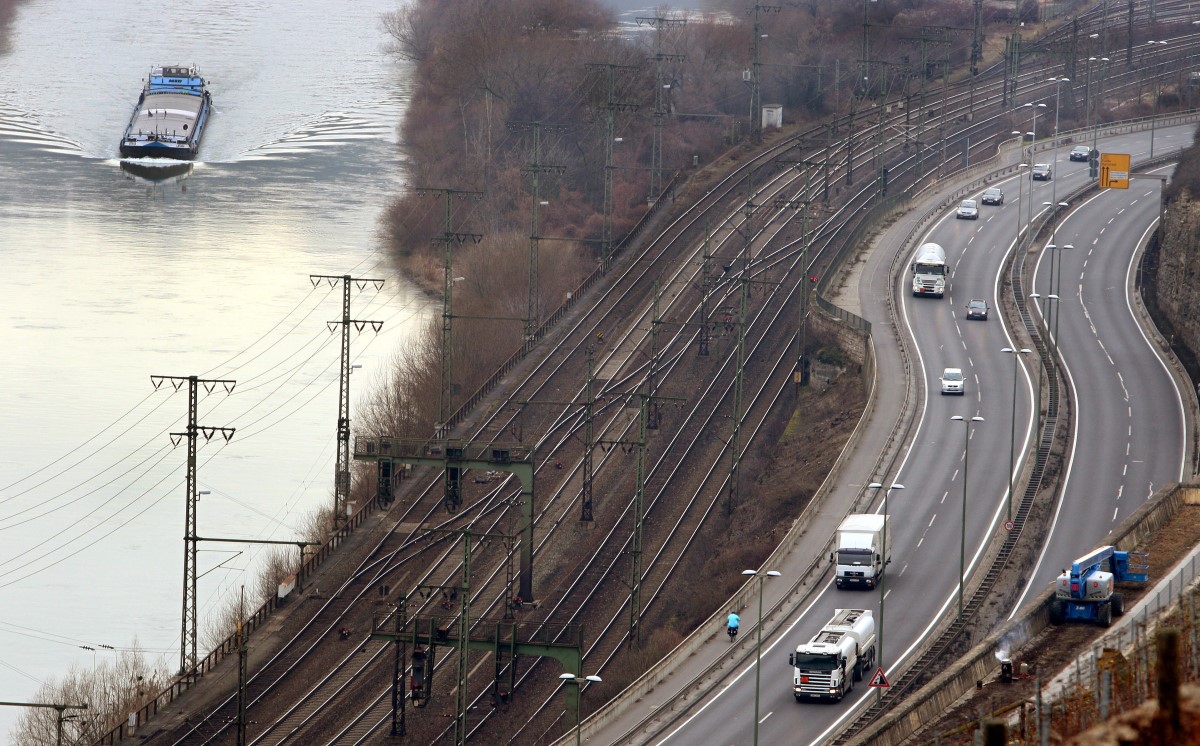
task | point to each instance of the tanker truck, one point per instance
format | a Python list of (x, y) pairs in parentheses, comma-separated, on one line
[(859, 559), (929, 270), (827, 666)]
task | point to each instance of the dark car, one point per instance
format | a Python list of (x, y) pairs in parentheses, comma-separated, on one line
[(992, 196), (977, 309), (1080, 153), (1042, 172)]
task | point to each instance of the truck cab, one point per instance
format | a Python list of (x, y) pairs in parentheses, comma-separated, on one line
[(929, 271), (858, 557), (827, 666)]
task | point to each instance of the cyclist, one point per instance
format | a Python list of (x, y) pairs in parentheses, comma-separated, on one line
[(734, 621)]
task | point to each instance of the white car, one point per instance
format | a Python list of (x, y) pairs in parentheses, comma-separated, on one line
[(968, 209), (953, 381)]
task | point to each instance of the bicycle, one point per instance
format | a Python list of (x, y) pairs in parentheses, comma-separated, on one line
[(732, 632)]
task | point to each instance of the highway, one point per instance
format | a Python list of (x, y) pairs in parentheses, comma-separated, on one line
[(1130, 436), (1129, 428)]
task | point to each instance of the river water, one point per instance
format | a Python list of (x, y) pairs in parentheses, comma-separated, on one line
[(111, 277)]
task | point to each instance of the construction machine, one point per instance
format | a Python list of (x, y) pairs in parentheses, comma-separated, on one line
[(1086, 591)]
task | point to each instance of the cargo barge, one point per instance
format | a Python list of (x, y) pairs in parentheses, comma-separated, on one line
[(170, 115)]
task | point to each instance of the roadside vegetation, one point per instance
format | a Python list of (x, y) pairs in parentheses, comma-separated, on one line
[(502, 90)]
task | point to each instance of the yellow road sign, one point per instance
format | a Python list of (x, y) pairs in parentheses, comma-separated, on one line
[(1114, 170)]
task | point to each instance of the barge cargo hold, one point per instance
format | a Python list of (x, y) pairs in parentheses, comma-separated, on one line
[(170, 115)]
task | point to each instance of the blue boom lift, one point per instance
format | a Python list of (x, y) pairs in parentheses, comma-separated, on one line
[(1086, 592)]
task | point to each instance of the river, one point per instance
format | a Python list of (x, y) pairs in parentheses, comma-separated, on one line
[(112, 277)]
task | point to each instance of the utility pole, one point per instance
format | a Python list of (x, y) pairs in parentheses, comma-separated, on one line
[(747, 232), (639, 502), (706, 283), (589, 440), (652, 373), (800, 376), (448, 238), (59, 707), (341, 476), (188, 635), (243, 677), (976, 51), (756, 71), (462, 699), (660, 111), (535, 170), (611, 107)]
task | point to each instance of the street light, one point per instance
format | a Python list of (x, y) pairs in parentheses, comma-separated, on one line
[(1012, 440), (883, 572), (1032, 147), (1054, 161), (962, 543), (578, 681), (1157, 74), (762, 578), (1055, 278), (1021, 186), (1095, 126), (1041, 358)]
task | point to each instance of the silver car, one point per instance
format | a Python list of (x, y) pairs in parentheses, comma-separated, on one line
[(953, 381), (968, 209)]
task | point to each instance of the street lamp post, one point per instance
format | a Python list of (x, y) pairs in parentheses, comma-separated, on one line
[(1157, 72), (1095, 125), (1012, 440), (762, 578), (1056, 258), (1032, 147), (1041, 359), (883, 573), (1021, 187), (962, 543), (1054, 161), (578, 681)]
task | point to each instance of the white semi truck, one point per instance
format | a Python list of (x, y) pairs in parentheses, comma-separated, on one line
[(929, 271), (859, 557), (827, 666)]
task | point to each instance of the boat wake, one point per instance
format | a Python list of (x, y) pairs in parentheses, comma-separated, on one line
[(331, 130), (22, 128)]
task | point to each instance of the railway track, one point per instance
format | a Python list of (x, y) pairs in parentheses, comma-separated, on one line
[(363, 671)]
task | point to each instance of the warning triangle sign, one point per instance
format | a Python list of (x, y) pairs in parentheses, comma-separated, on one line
[(879, 679)]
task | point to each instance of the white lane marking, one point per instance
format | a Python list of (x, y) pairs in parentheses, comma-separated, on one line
[(764, 717), (931, 520), (944, 495), (1115, 514)]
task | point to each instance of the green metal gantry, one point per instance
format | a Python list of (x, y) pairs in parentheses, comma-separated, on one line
[(513, 458)]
